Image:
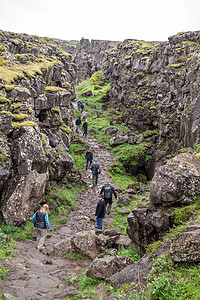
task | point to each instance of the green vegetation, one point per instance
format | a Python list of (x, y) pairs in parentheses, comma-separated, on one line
[(65, 198), (3, 99), (171, 281), (65, 128), (25, 124), (17, 233), (12, 72), (96, 77), (77, 151), (20, 117), (52, 89)]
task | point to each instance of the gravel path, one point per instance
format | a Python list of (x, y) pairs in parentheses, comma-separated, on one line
[(35, 275)]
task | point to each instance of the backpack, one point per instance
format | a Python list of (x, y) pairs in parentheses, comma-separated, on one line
[(95, 168), (107, 192)]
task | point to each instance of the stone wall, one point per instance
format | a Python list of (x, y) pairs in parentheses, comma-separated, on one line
[(36, 114)]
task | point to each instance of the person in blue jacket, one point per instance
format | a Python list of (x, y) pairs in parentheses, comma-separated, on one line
[(41, 223), (100, 212)]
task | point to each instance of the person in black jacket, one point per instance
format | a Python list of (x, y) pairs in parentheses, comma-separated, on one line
[(78, 123), (95, 168), (89, 158), (107, 190), (100, 212)]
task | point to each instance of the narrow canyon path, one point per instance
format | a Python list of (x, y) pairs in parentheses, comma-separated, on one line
[(36, 275)]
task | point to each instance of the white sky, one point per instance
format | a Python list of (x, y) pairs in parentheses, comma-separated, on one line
[(148, 20)]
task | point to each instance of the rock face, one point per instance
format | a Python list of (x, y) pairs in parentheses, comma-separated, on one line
[(154, 84), (177, 182), (174, 184), (186, 245), (36, 114), (84, 242)]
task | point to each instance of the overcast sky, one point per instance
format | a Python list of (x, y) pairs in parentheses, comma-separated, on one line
[(150, 20)]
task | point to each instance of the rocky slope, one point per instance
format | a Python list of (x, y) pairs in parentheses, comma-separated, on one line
[(154, 84), (36, 113)]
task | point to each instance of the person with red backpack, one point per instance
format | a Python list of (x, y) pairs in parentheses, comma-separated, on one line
[(107, 190)]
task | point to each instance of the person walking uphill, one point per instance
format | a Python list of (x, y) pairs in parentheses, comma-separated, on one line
[(78, 123), (100, 212), (85, 128), (89, 158), (95, 168), (107, 190), (41, 223)]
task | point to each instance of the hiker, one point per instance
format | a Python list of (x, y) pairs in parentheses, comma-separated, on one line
[(107, 190), (41, 223), (95, 168), (89, 158), (81, 107), (100, 212), (85, 127), (79, 104), (78, 123)]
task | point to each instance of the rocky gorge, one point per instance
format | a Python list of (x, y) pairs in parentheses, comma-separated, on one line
[(154, 92)]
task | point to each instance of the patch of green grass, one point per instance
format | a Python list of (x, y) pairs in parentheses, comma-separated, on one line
[(18, 233), (170, 281), (76, 256), (130, 252), (78, 151)]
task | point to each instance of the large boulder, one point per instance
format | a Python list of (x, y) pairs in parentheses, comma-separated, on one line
[(118, 140), (185, 247), (146, 226), (84, 242), (177, 182), (107, 266), (22, 197), (136, 272)]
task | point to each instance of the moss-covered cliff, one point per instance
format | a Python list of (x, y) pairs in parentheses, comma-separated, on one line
[(36, 93)]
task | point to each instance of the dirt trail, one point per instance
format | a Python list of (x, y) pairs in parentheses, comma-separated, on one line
[(35, 275)]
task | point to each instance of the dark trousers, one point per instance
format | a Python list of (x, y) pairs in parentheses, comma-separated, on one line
[(88, 164), (94, 179)]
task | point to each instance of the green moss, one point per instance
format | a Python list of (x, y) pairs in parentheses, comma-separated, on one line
[(128, 57), (177, 172), (53, 89), (65, 128), (47, 152), (17, 105), (44, 138), (24, 124), (96, 77), (16, 41), (4, 112), (67, 85), (11, 73), (30, 110), (20, 117), (55, 109), (2, 157), (3, 99), (175, 65), (3, 48), (9, 88)]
